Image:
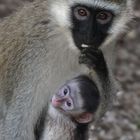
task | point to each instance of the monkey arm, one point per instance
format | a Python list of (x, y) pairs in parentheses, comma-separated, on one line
[(101, 74), (95, 60)]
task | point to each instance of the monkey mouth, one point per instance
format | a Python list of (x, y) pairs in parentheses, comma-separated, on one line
[(56, 102), (88, 45), (84, 46)]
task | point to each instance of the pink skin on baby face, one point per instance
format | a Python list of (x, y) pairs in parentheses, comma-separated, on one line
[(63, 99)]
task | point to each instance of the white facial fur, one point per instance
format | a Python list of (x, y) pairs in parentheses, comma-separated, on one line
[(60, 9)]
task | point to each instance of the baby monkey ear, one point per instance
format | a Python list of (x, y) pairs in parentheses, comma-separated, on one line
[(84, 118)]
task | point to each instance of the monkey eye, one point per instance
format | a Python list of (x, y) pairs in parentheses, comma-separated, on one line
[(65, 91), (69, 105), (81, 13), (104, 17)]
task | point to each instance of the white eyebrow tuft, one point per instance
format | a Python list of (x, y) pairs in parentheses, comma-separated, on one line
[(107, 5)]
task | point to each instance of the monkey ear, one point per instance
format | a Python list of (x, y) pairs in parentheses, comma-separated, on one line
[(84, 118)]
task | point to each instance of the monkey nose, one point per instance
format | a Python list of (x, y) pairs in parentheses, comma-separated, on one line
[(56, 102)]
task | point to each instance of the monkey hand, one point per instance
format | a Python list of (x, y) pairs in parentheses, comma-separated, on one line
[(94, 59)]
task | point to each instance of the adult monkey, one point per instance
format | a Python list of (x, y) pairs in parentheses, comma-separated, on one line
[(40, 47)]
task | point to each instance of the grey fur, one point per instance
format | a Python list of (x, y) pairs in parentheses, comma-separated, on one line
[(58, 126), (37, 56)]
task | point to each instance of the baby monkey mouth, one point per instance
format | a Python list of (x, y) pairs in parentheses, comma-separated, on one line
[(56, 102), (62, 103)]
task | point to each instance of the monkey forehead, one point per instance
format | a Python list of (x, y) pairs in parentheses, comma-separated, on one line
[(61, 9)]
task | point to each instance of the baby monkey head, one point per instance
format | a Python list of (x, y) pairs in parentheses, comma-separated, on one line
[(78, 99)]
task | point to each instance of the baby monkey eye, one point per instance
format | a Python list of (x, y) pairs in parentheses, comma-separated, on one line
[(81, 13), (66, 91), (104, 17), (68, 104)]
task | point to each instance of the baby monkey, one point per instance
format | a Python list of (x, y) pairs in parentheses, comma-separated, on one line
[(76, 103), (71, 110)]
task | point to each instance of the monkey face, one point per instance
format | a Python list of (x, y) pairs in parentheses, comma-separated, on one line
[(90, 22), (78, 98), (90, 25), (67, 99), (63, 99)]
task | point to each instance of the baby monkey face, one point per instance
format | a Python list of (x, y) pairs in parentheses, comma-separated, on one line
[(68, 98), (78, 98)]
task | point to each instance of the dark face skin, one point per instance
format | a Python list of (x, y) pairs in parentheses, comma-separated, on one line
[(90, 25), (79, 98)]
